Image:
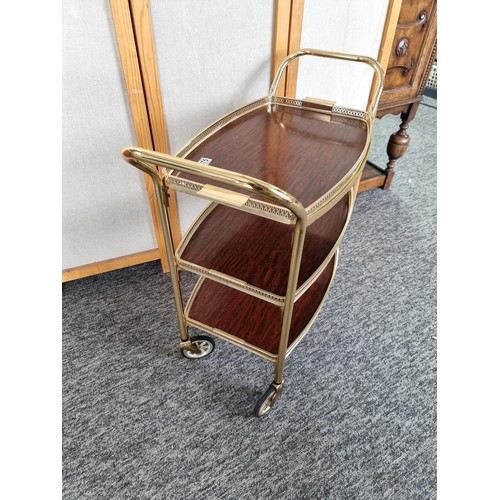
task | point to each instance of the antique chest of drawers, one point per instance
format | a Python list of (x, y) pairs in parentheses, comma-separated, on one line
[(412, 55)]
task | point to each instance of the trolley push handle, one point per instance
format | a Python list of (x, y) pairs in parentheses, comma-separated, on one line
[(145, 160), (372, 104)]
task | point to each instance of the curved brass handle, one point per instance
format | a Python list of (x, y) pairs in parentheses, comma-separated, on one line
[(379, 72), (145, 160)]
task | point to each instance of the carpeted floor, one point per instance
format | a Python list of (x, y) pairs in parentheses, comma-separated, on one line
[(357, 418)]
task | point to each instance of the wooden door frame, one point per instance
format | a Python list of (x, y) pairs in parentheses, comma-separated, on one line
[(287, 33), (144, 40)]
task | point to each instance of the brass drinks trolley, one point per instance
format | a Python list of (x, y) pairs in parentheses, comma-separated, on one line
[(280, 174)]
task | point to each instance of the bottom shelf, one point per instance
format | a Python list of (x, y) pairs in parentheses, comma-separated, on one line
[(372, 177), (251, 322)]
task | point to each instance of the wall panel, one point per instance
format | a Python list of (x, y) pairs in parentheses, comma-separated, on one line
[(105, 211), (212, 58), (342, 26)]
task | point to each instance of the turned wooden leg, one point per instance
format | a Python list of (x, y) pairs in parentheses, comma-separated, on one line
[(396, 148), (398, 143)]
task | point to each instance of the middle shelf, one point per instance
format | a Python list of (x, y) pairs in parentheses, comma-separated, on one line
[(252, 254)]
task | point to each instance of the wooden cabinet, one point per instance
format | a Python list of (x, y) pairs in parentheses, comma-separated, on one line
[(412, 55)]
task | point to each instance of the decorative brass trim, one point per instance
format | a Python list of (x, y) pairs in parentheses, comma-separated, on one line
[(271, 211), (350, 112), (335, 110), (183, 185), (287, 101), (224, 196), (232, 282)]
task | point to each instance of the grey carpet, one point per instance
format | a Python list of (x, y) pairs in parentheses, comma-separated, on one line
[(357, 418)]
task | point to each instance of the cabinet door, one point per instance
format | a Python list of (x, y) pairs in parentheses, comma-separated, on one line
[(412, 51)]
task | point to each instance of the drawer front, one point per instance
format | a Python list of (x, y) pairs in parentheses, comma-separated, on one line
[(412, 50)]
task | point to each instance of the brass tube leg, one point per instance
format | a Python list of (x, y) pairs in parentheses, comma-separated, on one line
[(293, 275), (161, 197)]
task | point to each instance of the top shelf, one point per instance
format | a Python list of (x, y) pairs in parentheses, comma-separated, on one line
[(311, 153)]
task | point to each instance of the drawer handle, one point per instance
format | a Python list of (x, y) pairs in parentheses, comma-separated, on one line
[(402, 47), (404, 69), (422, 17)]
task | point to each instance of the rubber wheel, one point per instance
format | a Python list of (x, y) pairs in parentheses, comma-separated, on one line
[(205, 343), (265, 402)]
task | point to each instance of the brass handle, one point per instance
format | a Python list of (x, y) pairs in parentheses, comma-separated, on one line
[(371, 107), (147, 160)]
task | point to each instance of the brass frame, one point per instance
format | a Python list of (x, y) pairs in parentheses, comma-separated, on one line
[(279, 205)]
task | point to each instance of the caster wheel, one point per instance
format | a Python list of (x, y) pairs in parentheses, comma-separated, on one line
[(265, 402), (205, 344)]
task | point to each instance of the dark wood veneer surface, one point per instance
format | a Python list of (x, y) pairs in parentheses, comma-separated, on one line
[(258, 250), (253, 320), (303, 152)]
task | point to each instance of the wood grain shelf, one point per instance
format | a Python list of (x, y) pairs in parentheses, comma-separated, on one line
[(257, 251), (274, 144)]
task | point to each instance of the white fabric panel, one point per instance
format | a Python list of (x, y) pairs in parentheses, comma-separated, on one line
[(105, 212), (341, 26), (213, 57)]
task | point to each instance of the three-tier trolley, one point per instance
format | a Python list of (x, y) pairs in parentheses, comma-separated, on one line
[(280, 175)]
